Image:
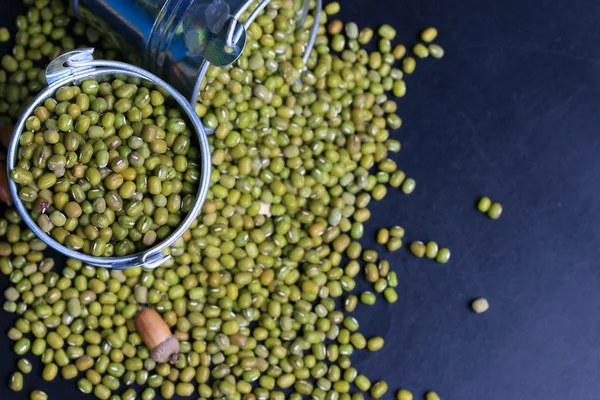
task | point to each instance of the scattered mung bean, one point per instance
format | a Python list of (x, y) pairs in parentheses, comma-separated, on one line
[(429, 34), (495, 210), (443, 255), (480, 305), (418, 249), (484, 204)]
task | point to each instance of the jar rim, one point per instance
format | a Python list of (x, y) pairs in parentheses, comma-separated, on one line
[(152, 257)]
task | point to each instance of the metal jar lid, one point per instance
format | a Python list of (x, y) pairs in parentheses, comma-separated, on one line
[(74, 67)]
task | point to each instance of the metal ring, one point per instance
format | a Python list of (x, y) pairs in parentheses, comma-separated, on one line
[(196, 92), (313, 33), (231, 40), (79, 68)]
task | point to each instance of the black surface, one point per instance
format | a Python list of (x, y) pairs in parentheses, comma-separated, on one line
[(511, 112)]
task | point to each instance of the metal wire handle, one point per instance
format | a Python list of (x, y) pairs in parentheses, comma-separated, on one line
[(231, 40), (247, 23)]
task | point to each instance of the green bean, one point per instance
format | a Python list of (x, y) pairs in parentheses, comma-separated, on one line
[(436, 51), (38, 395), (484, 204), (368, 298), (351, 30), (390, 295), (420, 50), (148, 394), (4, 35), (443, 256), (24, 365), (332, 8), (22, 346), (408, 65), (431, 249), (15, 382), (408, 186), (102, 392), (418, 249), (337, 43), (480, 305), (399, 88), (495, 210), (432, 396), (362, 383), (399, 51), (429, 34), (365, 36), (49, 372), (9, 63), (387, 32), (394, 244), (404, 394), (85, 386), (383, 236), (378, 389)]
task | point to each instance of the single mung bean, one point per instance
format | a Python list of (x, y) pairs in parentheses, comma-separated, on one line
[(378, 389), (390, 295), (24, 365), (387, 31), (332, 8), (362, 383), (408, 186), (334, 28), (394, 244), (420, 50), (431, 249), (15, 382), (38, 395), (484, 204), (399, 51), (432, 396), (368, 298), (417, 248), (365, 36), (351, 30), (495, 210), (404, 394), (399, 88), (436, 51), (480, 305), (4, 35), (383, 236), (429, 34), (49, 372), (85, 386), (408, 65), (443, 255)]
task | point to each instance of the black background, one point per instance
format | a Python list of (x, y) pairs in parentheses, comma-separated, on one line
[(510, 112)]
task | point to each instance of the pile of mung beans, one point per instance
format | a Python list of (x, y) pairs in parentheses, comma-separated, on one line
[(107, 168), (254, 288)]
